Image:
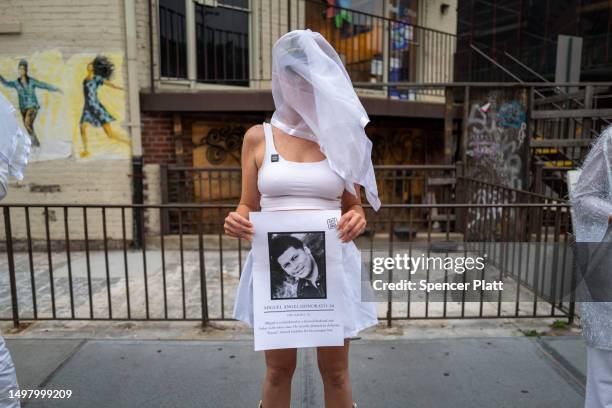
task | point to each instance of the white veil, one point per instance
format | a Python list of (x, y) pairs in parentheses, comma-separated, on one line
[(315, 100)]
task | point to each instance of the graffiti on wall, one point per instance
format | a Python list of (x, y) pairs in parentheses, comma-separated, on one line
[(496, 133), (495, 147), (70, 107)]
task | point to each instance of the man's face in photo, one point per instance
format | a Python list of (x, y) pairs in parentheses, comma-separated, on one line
[(296, 262)]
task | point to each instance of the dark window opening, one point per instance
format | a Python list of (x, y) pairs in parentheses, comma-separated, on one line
[(223, 44), (172, 39)]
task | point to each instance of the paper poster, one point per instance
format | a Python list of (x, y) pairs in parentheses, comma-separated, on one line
[(297, 279)]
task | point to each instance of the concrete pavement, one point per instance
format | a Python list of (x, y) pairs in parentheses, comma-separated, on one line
[(419, 372)]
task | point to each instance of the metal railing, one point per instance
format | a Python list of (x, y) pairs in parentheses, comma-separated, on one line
[(539, 56), (470, 190), (222, 37), (79, 262), (397, 184), (172, 43), (374, 48), (565, 120)]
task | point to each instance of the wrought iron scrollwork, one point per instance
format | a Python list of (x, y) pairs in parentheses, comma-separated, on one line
[(221, 142)]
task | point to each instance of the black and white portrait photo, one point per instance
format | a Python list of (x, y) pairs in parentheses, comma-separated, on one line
[(297, 265)]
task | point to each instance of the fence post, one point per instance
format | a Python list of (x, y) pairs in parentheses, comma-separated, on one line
[(137, 198), (163, 179), (386, 49), (389, 293), (538, 187), (11, 265), (448, 125), (203, 288), (530, 130), (465, 124), (459, 194)]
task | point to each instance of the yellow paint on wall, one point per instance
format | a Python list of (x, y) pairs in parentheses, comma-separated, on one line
[(57, 120)]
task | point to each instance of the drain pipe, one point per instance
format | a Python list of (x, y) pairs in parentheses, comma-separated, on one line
[(151, 51), (134, 122)]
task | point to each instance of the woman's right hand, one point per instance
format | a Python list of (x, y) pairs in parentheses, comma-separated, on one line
[(237, 226)]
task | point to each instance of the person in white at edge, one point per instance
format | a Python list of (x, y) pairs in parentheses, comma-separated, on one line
[(313, 155), (14, 151), (592, 212)]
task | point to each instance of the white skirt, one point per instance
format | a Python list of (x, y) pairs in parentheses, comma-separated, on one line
[(359, 315)]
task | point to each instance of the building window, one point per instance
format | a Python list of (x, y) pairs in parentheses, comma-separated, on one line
[(222, 38), (172, 39)]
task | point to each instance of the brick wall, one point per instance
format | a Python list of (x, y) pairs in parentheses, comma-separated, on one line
[(157, 138), (158, 143)]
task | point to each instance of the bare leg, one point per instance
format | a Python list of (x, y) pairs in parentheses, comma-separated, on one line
[(28, 121), (334, 367), (280, 366), (84, 152), (114, 135)]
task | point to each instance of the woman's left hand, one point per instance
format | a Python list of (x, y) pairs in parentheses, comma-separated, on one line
[(351, 225)]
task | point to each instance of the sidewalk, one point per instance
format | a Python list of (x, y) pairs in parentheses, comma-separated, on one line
[(443, 372)]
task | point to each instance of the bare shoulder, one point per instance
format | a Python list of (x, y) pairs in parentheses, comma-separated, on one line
[(254, 145), (254, 137)]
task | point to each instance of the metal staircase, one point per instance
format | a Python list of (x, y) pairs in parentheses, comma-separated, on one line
[(564, 123)]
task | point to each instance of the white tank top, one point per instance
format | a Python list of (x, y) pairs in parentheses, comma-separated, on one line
[(288, 185)]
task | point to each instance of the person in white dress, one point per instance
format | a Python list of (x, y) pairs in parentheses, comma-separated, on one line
[(14, 152), (314, 155), (591, 199)]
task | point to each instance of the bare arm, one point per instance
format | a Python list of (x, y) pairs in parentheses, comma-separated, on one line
[(237, 222), (249, 198), (353, 222), (44, 85), (109, 83)]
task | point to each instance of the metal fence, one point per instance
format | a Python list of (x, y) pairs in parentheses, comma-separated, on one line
[(80, 262), (552, 180), (470, 190), (374, 48), (535, 266), (397, 184)]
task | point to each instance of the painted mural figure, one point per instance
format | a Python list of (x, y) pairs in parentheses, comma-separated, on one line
[(26, 87), (99, 72)]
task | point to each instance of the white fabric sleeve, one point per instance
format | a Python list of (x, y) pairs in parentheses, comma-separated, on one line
[(4, 175), (591, 196), (8, 378)]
